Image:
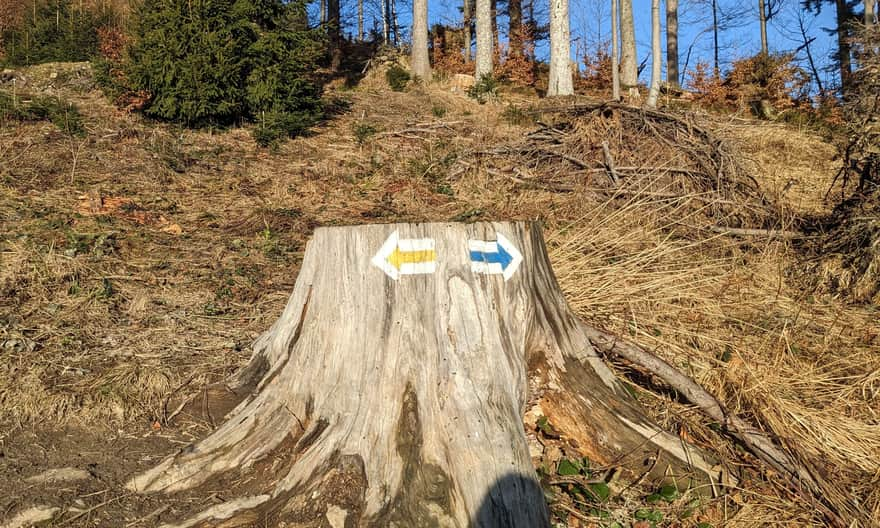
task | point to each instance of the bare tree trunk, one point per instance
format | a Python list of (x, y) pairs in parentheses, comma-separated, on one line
[(870, 14), (672, 44), (561, 82), (391, 390), (629, 69), (515, 28), (844, 53), (395, 28), (716, 69), (495, 40), (484, 39), (762, 18), (468, 9), (360, 35), (386, 23), (323, 14), (615, 50), (654, 91), (335, 33), (421, 67)]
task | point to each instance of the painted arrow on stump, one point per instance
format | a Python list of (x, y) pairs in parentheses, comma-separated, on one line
[(408, 256), (494, 258)]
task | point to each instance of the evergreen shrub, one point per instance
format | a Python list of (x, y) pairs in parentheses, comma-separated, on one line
[(219, 62)]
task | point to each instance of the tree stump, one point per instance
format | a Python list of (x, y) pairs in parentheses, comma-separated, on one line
[(391, 391)]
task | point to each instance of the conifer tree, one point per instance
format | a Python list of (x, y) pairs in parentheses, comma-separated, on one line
[(209, 62), (54, 30)]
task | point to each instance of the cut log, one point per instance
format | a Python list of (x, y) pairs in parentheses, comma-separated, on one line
[(391, 391)]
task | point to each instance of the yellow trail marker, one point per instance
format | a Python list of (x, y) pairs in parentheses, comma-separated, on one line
[(398, 257), (408, 256)]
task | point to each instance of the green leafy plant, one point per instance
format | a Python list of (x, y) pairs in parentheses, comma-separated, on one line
[(397, 78), (650, 515), (438, 111), (666, 493)]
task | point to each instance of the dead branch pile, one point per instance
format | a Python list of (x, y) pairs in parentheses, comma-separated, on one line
[(616, 150)]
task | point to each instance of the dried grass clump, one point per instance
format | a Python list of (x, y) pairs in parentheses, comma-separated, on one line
[(724, 313), (846, 257)]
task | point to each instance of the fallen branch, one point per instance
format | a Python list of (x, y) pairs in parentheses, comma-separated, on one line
[(609, 165), (757, 442), (772, 233), (420, 128)]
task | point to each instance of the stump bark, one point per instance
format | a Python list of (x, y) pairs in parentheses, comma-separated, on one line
[(391, 390)]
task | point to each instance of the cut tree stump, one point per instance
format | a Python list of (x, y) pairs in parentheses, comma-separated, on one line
[(391, 391)]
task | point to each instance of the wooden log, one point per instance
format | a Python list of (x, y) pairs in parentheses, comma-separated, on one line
[(391, 391)]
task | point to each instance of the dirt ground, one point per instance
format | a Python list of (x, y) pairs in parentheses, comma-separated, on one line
[(138, 262)]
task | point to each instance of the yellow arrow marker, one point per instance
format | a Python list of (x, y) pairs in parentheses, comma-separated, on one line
[(398, 258), (406, 256)]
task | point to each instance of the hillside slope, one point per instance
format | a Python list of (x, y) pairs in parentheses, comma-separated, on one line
[(140, 260)]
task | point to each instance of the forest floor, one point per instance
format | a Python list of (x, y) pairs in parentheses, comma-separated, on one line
[(139, 261)]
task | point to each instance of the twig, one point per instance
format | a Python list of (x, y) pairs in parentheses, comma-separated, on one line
[(609, 165), (772, 233), (155, 513), (93, 508), (572, 511)]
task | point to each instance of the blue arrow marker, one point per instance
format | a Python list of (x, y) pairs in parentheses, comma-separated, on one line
[(498, 257)]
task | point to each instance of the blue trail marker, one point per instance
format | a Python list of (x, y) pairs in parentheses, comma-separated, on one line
[(498, 257)]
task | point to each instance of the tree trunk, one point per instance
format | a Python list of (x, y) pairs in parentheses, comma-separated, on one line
[(762, 19), (844, 55), (391, 391), (323, 13), (629, 70), (468, 9), (335, 33), (716, 70), (654, 91), (421, 67), (870, 14), (515, 28), (484, 39), (360, 36), (395, 28), (672, 44), (495, 41), (386, 23), (561, 82), (615, 50)]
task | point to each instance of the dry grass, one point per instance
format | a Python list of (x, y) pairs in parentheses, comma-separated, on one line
[(804, 369), (103, 316), (795, 166)]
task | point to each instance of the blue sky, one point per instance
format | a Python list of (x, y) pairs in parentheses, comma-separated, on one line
[(590, 25)]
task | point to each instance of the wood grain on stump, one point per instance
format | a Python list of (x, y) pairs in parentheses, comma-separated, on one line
[(391, 390)]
